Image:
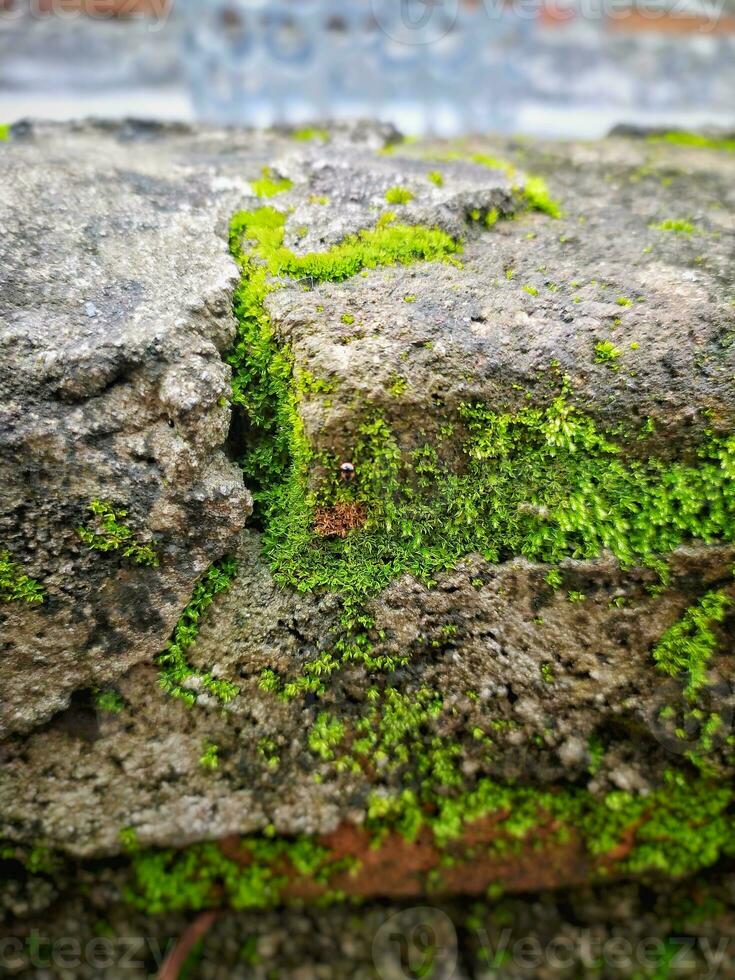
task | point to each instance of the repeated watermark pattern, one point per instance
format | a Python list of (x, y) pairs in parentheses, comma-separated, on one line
[(409, 22), (422, 942), (428, 21)]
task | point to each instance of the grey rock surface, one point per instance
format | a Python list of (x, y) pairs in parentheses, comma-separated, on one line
[(603, 273), (115, 310), (116, 315), (545, 678)]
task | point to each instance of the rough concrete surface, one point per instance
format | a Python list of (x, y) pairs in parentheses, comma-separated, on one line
[(115, 319)]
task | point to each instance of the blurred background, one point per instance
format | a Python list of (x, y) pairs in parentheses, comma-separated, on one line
[(569, 68)]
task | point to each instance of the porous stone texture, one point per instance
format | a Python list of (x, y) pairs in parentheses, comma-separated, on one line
[(475, 333), (510, 655), (115, 310), (611, 933), (116, 315)]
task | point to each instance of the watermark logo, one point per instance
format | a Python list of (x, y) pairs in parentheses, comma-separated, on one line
[(415, 22), (415, 943)]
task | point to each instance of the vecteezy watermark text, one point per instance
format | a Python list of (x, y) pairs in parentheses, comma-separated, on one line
[(155, 13), (43, 952), (425, 22), (422, 941)]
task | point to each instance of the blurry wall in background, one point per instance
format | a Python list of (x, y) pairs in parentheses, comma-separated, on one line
[(557, 67)]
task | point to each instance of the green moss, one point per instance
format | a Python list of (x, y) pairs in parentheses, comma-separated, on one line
[(606, 353), (128, 837), (678, 225), (386, 244), (278, 456), (679, 828), (268, 752), (107, 531), (532, 195), (397, 385), (595, 754), (270, 186), (481, 159), (209, 758), (108, 700), (537, 196), (399, 195), (672, 834), (201, 876), (696, 140), (436, 178), (307, 384), (176, 676), (309, 133), (543, 482), (531, 290), (4, 132), (196, 878), (15, 585), (686, 648), (325, 735)]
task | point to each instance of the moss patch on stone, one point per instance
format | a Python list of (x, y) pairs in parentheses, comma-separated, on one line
[(696, 140), (107, 530), (678, 225), (538, 198), (308, 134), (270, 186), (201, 876), (399, 195), (684, 826), (15, 585), (687, 647), (177, 676), (543, 482), (532, 195)]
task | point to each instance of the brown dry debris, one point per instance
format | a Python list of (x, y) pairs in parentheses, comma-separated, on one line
[(339, 520)]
